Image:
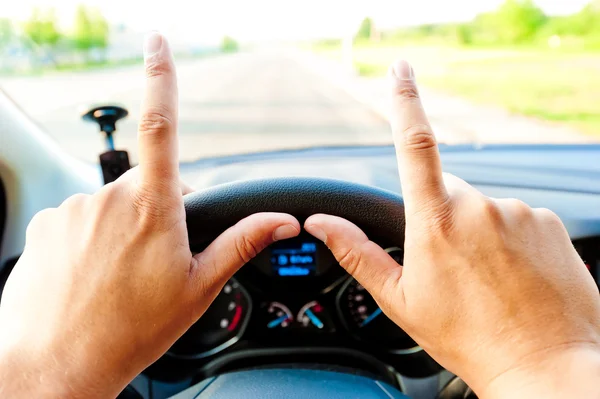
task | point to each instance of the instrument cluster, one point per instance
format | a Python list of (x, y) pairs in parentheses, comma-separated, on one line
[(295, 294)]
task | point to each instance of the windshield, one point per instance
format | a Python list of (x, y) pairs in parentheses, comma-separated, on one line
[(267, 75)]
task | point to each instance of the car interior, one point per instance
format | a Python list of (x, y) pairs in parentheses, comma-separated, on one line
[(292, 320)]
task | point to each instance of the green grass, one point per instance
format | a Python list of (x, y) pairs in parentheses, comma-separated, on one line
[(562, 87), (93, 65), (370, 70), (73, 67), (98, 65)]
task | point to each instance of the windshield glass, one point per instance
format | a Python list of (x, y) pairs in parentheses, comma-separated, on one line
[(267, 75)]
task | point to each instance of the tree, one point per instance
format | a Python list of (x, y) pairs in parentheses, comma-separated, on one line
[(91, 29), (100, 30), (517, 21), (586, 21), (41, 28), (229, 45), (464, 34), (365, 30), (7, 32), (82, 35)]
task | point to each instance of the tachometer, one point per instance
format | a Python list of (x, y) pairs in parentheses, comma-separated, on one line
[(280, 315), (220, 327), (365, 320), (313, 316)]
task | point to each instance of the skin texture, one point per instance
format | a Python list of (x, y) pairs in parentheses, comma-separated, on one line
[(490, 288), (107, 282)]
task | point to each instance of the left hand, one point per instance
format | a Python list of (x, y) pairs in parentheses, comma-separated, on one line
[(107, 282)]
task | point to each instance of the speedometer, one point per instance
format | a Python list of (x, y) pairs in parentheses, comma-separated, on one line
[(219, 327), (364, 318)]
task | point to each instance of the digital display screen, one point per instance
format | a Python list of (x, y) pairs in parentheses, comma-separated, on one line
[(294, 258)]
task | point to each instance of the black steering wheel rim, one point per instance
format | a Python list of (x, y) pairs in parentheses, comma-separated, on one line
[(209, 212)]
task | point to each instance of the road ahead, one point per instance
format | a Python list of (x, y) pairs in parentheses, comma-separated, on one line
[(228, 104)]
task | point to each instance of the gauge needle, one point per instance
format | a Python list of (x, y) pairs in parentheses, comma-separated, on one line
[(370, 318), (276, 322), (314, 319)]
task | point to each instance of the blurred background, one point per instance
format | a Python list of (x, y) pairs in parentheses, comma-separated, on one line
[(268, 75)]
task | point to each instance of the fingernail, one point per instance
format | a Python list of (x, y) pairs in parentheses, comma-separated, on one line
[(402, 70), (284, 232), (152, 44), (316, 232)]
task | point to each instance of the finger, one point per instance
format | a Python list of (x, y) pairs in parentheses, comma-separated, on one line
[(239, 244), (157, 131), (416, 148), (133, 174), (366, 261)]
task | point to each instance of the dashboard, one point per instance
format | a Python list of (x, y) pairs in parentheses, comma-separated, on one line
[(295, 295), (294, 292), (293, 305)]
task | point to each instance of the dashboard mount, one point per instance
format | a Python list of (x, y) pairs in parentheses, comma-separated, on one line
[(113, 162)]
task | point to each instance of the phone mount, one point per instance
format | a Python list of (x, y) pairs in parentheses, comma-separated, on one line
[(113, 162)]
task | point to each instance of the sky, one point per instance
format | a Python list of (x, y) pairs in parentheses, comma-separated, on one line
[(201, 21)]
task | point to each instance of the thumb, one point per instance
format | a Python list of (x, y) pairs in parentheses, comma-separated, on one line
[(366, 261), (237, 245)]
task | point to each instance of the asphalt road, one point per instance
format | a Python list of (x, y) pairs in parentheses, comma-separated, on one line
[(229, 104)]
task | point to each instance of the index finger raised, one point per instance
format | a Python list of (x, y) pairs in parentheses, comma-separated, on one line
[(157, 130), (416, 147)]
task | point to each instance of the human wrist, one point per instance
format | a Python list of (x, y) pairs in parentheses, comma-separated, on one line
[(571, 372), (29, 371)]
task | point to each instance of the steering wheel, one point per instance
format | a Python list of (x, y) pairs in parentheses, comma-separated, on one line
[(379, 213), (209, 212)]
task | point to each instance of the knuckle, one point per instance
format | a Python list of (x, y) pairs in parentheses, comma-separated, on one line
[(106, 196), (42, 215), (518, 208), (419, 138), (517, 203), (155, 121), (147, 207), (548, 216), (442, 220), (157, 66), (246, 248), (39, 220), (156, 209), (488, 208), (350, 259), (407, 91), (75, 200)]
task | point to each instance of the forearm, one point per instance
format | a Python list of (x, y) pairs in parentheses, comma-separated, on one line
[(572, 374), (26, 375)]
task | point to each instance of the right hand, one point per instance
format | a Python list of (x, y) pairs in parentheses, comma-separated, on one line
[(490, 288)]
